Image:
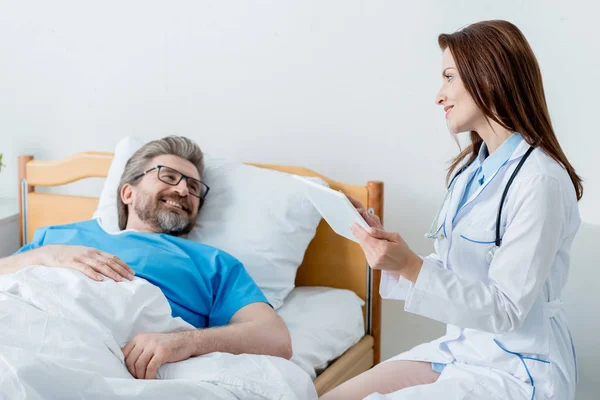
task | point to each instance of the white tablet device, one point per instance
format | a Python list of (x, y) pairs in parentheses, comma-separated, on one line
[(334, 206)]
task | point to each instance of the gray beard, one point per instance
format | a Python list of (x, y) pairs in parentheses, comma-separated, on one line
[(162, 220)]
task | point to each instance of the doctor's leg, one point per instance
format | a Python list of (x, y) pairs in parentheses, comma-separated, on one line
[(465, 382), (386, 377)]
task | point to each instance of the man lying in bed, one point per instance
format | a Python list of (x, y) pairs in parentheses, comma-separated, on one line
[(159, 196)]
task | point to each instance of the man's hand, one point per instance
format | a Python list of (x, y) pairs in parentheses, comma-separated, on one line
[(94, 263), (254, 329), (148, 351)]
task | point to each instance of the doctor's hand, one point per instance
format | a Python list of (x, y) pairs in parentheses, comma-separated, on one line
[(388, 251), (147, 352), (371, 219)]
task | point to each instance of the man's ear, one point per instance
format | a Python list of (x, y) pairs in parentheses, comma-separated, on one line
[(127, 194)]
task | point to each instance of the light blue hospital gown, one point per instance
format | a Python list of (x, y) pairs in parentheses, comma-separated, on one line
[(204, 285)]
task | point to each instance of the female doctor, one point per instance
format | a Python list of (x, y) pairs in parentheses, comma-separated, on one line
[(502, 240)]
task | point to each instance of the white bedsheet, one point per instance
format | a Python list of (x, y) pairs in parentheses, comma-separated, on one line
[(324, 323), (61, 335)]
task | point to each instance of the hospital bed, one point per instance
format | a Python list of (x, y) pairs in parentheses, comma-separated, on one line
[(330, 260)]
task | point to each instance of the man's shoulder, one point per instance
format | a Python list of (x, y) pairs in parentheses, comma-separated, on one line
[(54, 234), (88, 225)]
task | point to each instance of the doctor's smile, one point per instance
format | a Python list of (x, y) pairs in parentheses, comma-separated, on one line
[(447, 110)]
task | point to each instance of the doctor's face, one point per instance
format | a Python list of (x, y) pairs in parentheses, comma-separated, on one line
[(462, 114)]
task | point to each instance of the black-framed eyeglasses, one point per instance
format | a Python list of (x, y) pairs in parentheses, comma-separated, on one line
[(172, 177)]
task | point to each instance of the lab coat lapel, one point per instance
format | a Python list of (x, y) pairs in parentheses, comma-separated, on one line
[(456, 194), (517, 154)]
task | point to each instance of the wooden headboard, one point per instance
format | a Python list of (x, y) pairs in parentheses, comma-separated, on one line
[(330, 259)]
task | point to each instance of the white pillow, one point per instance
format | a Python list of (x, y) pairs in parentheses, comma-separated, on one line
[(323, 323), (257, 215)]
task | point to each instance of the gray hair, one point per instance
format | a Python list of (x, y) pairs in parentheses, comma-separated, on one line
[(140, 161)]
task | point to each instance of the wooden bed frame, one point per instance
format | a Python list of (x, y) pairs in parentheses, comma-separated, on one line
[(330, 260)]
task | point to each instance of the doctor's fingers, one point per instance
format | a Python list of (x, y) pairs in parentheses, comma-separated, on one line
[(371, 219), (375, 253), (381, 252), (359, 233), (385, 235), (370, 246), (371, 236), (356, 203)]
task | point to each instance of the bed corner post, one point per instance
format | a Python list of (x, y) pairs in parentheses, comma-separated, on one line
[(24, 189), (375, 206)]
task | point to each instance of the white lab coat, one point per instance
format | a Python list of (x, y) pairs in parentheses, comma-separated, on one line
[(514, 299)]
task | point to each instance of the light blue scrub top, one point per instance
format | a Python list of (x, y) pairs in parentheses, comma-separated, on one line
[(204, 285), (489, 165)]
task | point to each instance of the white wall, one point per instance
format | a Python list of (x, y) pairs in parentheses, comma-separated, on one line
[(581, 298), (345, 87)]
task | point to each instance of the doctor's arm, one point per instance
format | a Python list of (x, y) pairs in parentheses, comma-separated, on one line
[(516, 276)]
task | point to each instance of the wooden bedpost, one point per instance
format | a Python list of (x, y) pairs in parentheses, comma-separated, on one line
[(375, 201), (22, 175)]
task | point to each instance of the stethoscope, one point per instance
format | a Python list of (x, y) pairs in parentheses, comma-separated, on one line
[(439, 235)]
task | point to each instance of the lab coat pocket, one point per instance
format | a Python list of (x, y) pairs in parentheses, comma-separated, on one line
[(476, 250), (479, 233)]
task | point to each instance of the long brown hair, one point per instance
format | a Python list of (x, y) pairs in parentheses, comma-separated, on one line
[(502, 75)]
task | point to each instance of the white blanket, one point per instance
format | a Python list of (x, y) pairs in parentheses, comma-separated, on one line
[(61, 335)]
